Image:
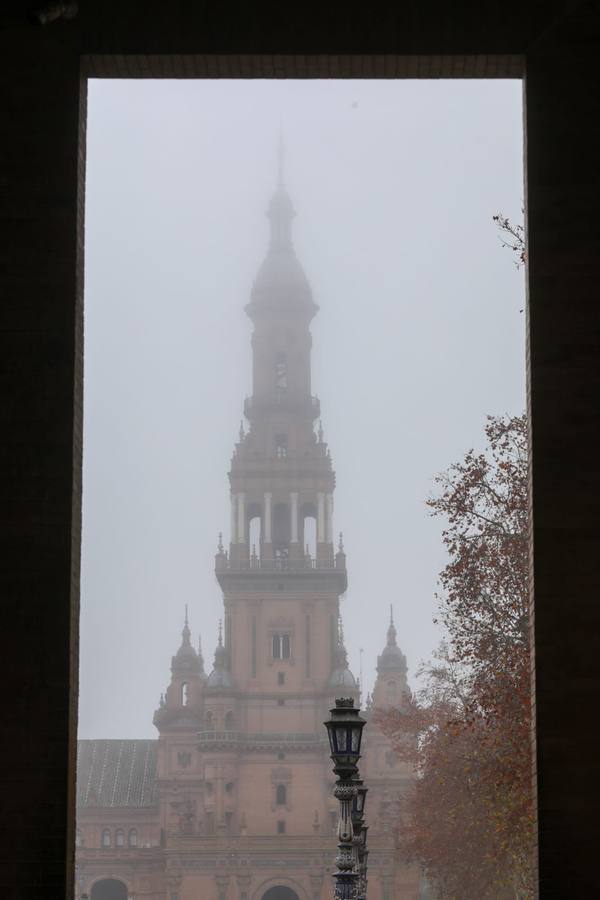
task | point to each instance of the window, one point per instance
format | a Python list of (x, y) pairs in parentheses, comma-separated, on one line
[(208, 721), (281, 795), (280, 372), (281, 755), (281, 678), (281, 446), (132, 841), (281, 702), (281, 646), (229, 788), (106, 838), (391, 692), (119, 838), (228, 822), (184, 694), (281, 827), (229, 721)]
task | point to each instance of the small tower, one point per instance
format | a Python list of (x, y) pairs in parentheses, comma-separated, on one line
[(183, 698), (342, 682), (391, 687)]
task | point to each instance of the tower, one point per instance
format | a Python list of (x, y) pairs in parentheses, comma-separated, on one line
[(234, 801)]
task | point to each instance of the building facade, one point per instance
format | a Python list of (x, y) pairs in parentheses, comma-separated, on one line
[(234, 800)]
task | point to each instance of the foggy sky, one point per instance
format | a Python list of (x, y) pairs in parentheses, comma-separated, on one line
[(418, 338)]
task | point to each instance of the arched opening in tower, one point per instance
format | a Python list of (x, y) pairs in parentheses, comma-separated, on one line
[(110, 889), (308, 519), (280, 893), (281, 531), (254, 530)]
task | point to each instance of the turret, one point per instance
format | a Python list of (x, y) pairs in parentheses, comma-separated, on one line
[(391, 687), (181, 704), (342, 682)]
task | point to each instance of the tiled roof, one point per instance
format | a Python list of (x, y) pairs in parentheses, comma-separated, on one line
[(116, 773)]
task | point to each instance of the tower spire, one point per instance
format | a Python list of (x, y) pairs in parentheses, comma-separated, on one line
[(391, 633), (186, 634)]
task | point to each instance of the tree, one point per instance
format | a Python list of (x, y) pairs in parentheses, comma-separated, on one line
[(470, 820)]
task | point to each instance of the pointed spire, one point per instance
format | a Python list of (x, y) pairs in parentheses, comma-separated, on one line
[(185, 660), (242, 434), (341, 655), (341, 543), (320, 432), (186, 634), (220, 544), (391, 634), (220, 677)]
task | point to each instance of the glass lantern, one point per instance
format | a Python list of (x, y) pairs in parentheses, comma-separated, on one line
[(344, 730)]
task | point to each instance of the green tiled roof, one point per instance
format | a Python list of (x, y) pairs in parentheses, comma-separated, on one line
[(116, 774)]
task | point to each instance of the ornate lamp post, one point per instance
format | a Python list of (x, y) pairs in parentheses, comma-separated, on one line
[(360, 836), (344, 730)]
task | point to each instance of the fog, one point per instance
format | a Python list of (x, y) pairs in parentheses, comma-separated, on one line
[(420, 335)]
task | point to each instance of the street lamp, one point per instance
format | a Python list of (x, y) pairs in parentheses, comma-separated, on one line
[(360, 836), (344, 730)]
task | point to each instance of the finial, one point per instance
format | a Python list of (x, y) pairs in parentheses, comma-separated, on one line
[(220, 544), (280, 157), (241, 431), (185, 634), (341, 543), (340, 630), (220, 632), (391, 634), (320, 432)]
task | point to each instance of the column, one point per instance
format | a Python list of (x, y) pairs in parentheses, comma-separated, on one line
[(329, 518), (268, 500), (233, 522), (320, 518), (241, 526), (294, 517)]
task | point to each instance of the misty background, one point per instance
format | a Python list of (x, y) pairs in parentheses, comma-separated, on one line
[(418, 338)]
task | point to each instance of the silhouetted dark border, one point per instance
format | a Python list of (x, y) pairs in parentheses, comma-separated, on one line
[(554, 46)]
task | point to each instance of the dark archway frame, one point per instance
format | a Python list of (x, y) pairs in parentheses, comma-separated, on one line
[(553, 45)]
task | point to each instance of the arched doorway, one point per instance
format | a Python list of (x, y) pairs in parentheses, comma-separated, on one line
[(109, 889), (280, 893)]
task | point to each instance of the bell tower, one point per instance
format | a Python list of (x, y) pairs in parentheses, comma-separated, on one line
[(281, 575)]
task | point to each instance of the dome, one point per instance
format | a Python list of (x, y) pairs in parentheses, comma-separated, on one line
[(281, 282), (220, 677), (342, 678), (186, 660), (392, 659)]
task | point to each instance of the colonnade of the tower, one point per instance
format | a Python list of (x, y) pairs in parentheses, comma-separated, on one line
[(295, 514)]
